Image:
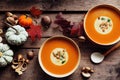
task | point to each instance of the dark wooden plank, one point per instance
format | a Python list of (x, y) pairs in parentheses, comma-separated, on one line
[(107, 70), (58, 5)]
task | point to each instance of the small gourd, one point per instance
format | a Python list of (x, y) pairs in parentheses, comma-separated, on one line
[(6, 55), (25, 21), (16, 35)]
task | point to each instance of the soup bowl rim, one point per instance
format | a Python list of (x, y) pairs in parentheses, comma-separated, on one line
[(59, 75), (101, 5)]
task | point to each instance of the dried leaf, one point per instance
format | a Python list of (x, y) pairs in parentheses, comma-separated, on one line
[(35, 12), (34, 32), (81, 29), (65, 24), (77, 29), (68, 29), (61, 21)]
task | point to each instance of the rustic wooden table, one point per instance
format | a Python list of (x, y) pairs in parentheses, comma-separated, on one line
[(74, 10)]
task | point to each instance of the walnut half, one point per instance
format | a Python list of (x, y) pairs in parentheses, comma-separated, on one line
[(19, 64)]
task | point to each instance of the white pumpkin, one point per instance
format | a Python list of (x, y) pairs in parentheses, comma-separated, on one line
[(16, 37), (6, 55)]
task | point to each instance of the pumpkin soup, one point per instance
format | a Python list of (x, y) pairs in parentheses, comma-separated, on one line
[(102, 24), (59, 55)]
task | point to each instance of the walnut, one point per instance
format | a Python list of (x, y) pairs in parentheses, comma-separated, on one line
[(20, 64)]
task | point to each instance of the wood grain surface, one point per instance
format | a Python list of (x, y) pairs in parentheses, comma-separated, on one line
[(73, 10), (54, 5)]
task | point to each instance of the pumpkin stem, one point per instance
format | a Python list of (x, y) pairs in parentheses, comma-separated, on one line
[(9, 25), (27, 15)]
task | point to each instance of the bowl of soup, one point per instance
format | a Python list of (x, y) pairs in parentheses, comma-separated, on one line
[(59, 56), (102, 24)]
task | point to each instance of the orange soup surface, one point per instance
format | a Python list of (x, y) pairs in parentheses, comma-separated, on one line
[(112, 17), (49, 46)]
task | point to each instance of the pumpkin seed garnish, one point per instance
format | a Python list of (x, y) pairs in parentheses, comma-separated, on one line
[(103, 25), (59, 56)]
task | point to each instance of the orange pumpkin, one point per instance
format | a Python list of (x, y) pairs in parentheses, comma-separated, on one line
[(25, 21)]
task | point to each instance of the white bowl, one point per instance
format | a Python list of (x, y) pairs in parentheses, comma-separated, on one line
[(53, 74), (114, 10)]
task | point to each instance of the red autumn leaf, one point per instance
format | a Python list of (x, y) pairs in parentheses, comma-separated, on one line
[(65, 24), (69, 28), (75, 29), (35, 12), (34, 32), (81, 29)]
